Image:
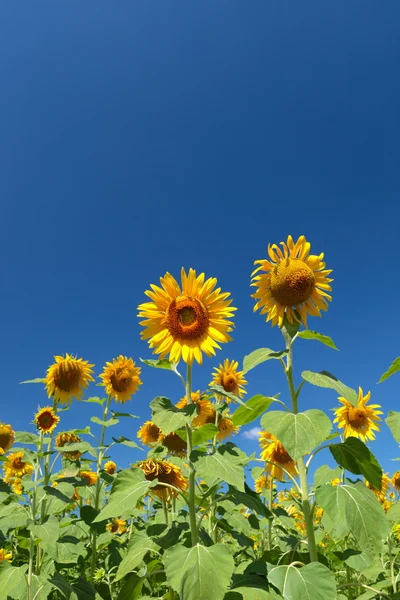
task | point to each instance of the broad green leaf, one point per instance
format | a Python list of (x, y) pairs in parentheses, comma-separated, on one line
[(356, 506), (202, 434), (37, 380), (199, 572), (140, 545), (48, 532), (218, 389), (11, 578), (258, 405), (393, 422), (327, 380), (163, 363), (250, 499), (107, 423), (168, 417), (307, 334), (128, 487), (312, 582), (299, 433), (13, 516), (394, 367), (25, 437), (393, 514), (259, 356), (354, 456), (223, 465), (249, 593), (96, 400), (126, 442), (325, 474), (81, 447)]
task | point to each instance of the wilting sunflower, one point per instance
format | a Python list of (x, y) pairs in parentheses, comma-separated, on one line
[(68, 378), (274, 452), (262, 483), (174, 444), (68, 438), (185, 321), (149, 433), (381, 494), (15, 466), (205, 410), (121, 378), (89, 476), (116, 525), (110, 467), (164, 472), (46, 419), (232, 380), (7, 437), (396, 481), (5, 555), (292, 281), (358, 421)]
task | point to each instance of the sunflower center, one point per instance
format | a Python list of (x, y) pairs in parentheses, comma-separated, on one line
[(228, 382), (5, 440), (46, 420), (186, 318), (280, 456), (67, 377), (292, 282), (18, 463), (120, 380), (357, 417)]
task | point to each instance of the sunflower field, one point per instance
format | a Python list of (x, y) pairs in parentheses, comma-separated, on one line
[(197, 518)]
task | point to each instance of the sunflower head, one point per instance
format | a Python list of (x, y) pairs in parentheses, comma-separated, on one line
[(15, 466), (183, 321), (121, 378), (358, 421), (174, 444), (5, 555), (292, 282), (46, 420), (164, 472), (262, 483), (89, 476), (382, 493), (149, 433), (205, 410), (7, 437), (272, 451), (17, 487), (396, 531), (232, 380), (396, 481), (68, 378), (68, 438), (110, 467), (225, 426), (116, 525)]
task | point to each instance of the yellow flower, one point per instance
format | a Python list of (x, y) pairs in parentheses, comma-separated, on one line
[(291, 280), (336, 481), (396, 481), (174, 444), (17, 486), (164, 472), (225, 426), (68, 438), (121, 378), (7, 437), (386, 483), (110, 467), (318, 514), (274, 452), (5, 555), (15, 466), (262, 483), (205, 410), (185, 321), (232, 380), (358, 421), (148, 433), (67, 378), (116, 525), (89, 476), (396, 531), (46, 420)]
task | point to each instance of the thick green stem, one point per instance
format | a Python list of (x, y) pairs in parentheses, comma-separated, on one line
[(392, 573), (33, 516), (270, 502), (166, 512), (192, 471), (348, 579)]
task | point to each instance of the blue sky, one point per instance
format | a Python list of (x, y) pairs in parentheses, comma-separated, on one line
[(137, 137)]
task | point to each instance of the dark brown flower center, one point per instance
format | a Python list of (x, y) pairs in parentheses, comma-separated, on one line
[(46, 420), (67, 376), (5, 440), (120, 379), (292, 282), (280, 456), (357, 417), (229, 382), (186, 318)]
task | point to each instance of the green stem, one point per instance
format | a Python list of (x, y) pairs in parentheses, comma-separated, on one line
[(192, 471), (270, 502), (392, 574), (348, 579), (166, 512), (33, 516)]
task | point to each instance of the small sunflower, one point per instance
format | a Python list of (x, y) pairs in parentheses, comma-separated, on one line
[(185, 321), (46, 419), (7, 437), (358, 421), (274, 452), (149, 433), (262, 483), (89, 476), (396, 531), (174, 444), (17, 487), (232, 380), (68, 378), (396, 481), (164, 472), (205, 410), (336, 481), (15, 466), (318, 514), (121, 378), (116, 525), (386, 483), (292, 282), (110, 467), (68, 438), (5, 555)]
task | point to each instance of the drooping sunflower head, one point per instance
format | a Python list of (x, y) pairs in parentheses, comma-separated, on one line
[(149, 433), (292, 282), (382, 493), (174, 444), (116, 525), (69, 438), (205, 409), (16, 466), (110, 467), (272, 451), (89, 476), (225, 426), (46, 420), (183, 321), (164, 472), (68, 378), (358, 421), (121, 378), (5, 555), (232, 380), (262, 483), (7, 437), (396, 481)]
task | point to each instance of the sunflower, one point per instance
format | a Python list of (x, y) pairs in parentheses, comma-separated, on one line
[(46, 420), (184, 321), (5, 555), (164, 472), (386, 483), (274, 452), (396, 481), (232, 380), (292, 282), (174, 444), (7, 437), (225, 426), (396, 531), (17, 486), (15, 466), (116, 525), (358, 421), (262, 483), (121, 378), (336, 481), (205, 410), (318, 514), (89, 476), (110, 467), (67, 378), (148, 433), (69, 438)]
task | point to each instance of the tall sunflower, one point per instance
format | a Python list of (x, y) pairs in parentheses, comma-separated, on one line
[(292, 281), (232, 380), (68, 378), (174, 444), (149, 433), (164, 472), (15, 466), (89, 476), (205, 409), (121, 378), (274, 452), (183, 321), (358, 421), (46, 420), (7, 437)]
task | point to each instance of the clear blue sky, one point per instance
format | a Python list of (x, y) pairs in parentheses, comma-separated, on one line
[(137, 137)]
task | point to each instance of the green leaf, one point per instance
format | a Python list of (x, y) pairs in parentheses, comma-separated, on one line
[(161, 364), (250, 499), (95, 400), (199, 572), (203, 434), (327, 380), (11, 578), (307, 334), (128, 487), (218, 389), (357, 507), (168, 417), (48, 532), (354, 456), (224, 465), (259, 356), (258, 405), (249, 593), (393, 514), (393, 422), (37, 380), (299, 433), (312, 582), (122, 414), (25, 437), (126, 442), (81, 447), (107, 423), (394, 367), (140, 545), (325, 474)]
